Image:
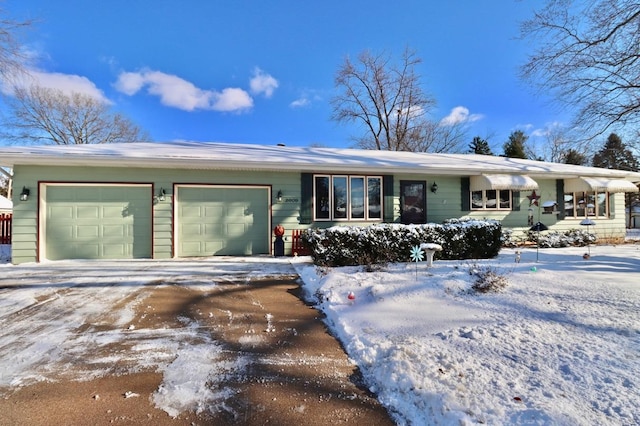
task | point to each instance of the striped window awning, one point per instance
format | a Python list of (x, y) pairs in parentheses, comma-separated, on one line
[(502, 181), (591, 184)]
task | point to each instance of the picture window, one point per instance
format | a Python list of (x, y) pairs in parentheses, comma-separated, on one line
[(342, 197)]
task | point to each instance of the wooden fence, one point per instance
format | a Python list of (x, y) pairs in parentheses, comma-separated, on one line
[(5, 228), (298, 249)]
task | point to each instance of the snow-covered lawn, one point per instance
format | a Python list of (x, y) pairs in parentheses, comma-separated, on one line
[(559, 345)]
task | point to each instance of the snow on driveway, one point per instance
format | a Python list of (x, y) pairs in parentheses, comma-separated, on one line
[(73, 320)]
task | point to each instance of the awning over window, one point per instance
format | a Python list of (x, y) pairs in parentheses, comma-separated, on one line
[(513, 182), (590, 184)]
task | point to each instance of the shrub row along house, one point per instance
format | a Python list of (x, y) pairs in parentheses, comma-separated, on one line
[(164, 200)]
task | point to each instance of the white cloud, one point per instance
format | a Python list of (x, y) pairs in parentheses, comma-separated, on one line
[(524, 127), (263, 83), (540, 132), (176, 92), (460, 115), (232, 99), (300, 103), (67, 83), (129, 83)]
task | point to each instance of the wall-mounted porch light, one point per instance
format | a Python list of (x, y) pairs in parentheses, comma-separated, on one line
[(161, 194), (279, 196), (24, 195), (434, 187)]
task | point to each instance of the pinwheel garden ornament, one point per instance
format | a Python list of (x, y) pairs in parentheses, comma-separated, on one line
[(416, 256)]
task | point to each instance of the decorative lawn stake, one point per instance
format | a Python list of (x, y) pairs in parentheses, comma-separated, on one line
[(416, 256), (538, 226), (587, 222)]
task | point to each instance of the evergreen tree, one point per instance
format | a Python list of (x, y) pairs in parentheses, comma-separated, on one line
[(615, 155), (480, 146), (571, 156), (515, 147)]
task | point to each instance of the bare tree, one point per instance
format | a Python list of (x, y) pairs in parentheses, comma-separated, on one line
[(12, 58), (589, 58), (440, 137), (561, 146), (40, 114), (386, 99)]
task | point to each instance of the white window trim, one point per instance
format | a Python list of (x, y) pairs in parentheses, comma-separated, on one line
[(607, 206), (484, 200), (348, 217)]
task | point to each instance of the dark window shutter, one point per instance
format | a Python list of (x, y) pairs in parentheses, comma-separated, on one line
[(515, 201), (465, 194), (387, 195), (306, 198), (560, 197)]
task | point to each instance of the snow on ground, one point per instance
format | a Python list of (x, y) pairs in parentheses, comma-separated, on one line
[(5, 253), (559, 345), (78, 314)]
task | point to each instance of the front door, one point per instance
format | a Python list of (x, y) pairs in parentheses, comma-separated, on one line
[(413, 201)]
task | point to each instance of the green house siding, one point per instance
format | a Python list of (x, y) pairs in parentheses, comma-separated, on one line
[(33, 228)]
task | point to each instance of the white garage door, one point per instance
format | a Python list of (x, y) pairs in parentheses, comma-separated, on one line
[(214, 220), (98, 222)]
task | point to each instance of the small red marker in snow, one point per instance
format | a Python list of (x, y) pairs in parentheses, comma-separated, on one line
[(351, 296)]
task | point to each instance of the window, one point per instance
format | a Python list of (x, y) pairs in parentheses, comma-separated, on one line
[(341, 197), (491, 199), (586, 204)]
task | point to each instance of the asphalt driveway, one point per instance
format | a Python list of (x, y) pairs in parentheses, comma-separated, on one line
[(195, 341)]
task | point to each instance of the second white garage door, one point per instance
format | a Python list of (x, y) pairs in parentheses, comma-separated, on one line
[(215, 220)]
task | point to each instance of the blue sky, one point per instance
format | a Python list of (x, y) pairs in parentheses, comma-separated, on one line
[(263, 72)]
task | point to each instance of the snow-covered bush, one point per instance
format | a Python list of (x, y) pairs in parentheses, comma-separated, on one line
[(487, 280), (555, 239), (384, 243), (510, 240)]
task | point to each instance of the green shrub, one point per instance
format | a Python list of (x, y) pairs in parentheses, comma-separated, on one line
[(385, 243), (556, 239)]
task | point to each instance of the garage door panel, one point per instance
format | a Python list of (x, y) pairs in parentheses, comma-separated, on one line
[(88, 251), (114, 231), (98, 222), (192, 212), (192, 228), (88, 212), (114, 251), (112, 211), (214, 211), (88, 231), (214, 247), (61, 212), (227, 221), (236, 229)]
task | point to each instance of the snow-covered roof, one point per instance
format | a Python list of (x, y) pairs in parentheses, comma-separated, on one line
[(224, 156), (5, 203)]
